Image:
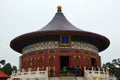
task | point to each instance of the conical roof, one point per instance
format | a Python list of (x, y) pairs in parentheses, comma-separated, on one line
[(59, 25), (3, 74)]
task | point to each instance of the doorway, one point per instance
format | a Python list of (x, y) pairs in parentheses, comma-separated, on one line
[(93, 62), (64, 61)]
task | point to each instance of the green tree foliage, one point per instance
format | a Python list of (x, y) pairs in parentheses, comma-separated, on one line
[(14, 68), (7, 68), (2, 62), (113, 67)]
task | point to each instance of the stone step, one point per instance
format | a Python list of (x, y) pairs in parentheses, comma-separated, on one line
[(67, 78), (81, 78), (53, 78)]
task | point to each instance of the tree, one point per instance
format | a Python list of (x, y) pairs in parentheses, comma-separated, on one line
[(116, 62), (14, 68), (113, 67), (7, 68), (2, 62)]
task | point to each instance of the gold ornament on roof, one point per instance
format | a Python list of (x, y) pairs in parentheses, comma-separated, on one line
[(59, 7)]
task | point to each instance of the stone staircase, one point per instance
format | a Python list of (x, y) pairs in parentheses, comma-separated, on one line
[(81, 78), (67, 78)]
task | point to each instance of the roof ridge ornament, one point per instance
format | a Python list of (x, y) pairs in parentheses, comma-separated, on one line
[(59, 8)]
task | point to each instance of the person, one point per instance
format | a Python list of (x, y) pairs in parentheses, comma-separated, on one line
[(64, 69), (71, 69), (97, 78), (77, 71), (51, 72)]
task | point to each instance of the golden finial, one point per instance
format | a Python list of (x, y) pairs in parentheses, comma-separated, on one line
[(59, 7)]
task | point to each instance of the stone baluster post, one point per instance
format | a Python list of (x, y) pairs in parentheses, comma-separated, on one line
[(92, 72), (99, 71)]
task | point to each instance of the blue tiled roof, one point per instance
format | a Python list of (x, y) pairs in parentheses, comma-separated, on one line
[(59, 23)]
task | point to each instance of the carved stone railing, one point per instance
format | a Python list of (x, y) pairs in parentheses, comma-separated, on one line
[(35, 75), (92, 74)]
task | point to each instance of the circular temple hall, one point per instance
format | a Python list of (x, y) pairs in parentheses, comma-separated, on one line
[(57, 45)]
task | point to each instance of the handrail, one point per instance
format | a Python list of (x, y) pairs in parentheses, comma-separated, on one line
[(87, 75), (90, 74), (30, 74)]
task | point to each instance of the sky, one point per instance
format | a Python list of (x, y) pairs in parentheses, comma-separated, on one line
[(18, 17)]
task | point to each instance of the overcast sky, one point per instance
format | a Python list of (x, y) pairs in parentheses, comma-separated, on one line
[(18, 17)]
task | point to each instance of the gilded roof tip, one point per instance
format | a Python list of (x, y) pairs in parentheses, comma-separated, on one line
[(59, 8)]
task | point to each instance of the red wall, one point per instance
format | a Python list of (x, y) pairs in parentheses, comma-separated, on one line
[(51, 59)]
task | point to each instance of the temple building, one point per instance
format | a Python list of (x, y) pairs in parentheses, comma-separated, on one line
[(57, 45), (3, 75)]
